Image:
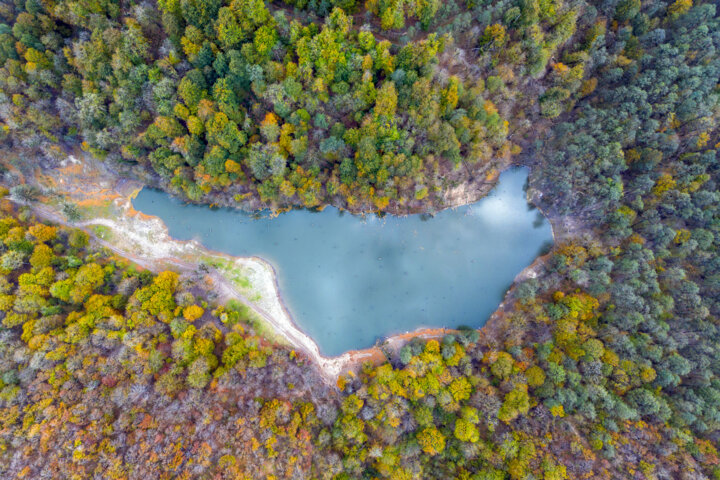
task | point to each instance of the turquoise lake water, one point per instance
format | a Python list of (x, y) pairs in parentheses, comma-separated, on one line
[(348, 280)]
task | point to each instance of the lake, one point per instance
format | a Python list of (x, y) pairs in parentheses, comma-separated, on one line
[(348, 280)]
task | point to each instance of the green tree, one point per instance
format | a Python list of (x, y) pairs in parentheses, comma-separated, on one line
[(516, 402)]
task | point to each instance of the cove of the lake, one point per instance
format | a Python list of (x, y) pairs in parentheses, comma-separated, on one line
[(348, 280)]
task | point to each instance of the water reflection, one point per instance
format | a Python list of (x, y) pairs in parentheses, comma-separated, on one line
[(350, 279)]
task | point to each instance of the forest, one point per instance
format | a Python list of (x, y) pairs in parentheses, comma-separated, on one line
[(606, 365), (249, 104)]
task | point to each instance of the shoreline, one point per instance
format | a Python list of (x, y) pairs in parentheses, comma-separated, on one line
[(156, 249)]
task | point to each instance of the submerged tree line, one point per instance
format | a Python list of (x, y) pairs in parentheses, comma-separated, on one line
[(605, 365)]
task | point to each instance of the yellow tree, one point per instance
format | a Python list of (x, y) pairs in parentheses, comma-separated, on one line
[(192, 313), (431, 441)]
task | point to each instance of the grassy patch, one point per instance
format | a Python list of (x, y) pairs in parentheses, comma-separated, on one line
[(229, 270), (101, 231)]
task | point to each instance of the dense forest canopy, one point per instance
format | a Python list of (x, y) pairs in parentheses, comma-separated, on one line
[(605, 365), (248, 101)]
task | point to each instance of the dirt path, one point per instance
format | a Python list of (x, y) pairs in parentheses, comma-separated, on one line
[(329, 367), (106, 201)]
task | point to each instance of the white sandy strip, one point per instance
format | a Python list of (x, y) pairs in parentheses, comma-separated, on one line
[(146, 241)]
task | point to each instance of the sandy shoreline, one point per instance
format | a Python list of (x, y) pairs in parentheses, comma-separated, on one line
[(145, 240)]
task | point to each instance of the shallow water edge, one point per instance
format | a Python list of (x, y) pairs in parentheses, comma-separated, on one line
[(351, 280)]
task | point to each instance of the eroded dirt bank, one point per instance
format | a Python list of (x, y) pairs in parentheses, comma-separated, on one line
[(105, 211)]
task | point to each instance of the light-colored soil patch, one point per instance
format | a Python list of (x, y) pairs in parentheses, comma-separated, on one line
[(465, 192), (104, 203)]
